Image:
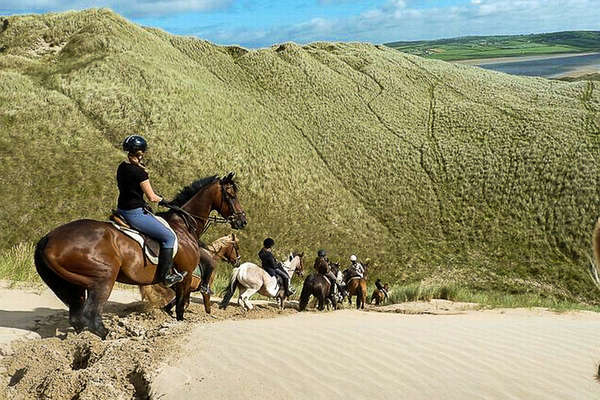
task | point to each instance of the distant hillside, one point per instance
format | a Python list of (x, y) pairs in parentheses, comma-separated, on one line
[(435, 171), (475, 47)]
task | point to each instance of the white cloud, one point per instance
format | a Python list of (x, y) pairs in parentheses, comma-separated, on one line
[(134, 8), (397, 20)]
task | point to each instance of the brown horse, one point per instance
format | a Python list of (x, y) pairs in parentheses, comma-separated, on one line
[(81, 260), (318, 286), (357, 287), (378, 296), (223, 249)]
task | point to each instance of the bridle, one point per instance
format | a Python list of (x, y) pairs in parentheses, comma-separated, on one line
[(213, 219), (192, 221), (237, 253), (222, 256)]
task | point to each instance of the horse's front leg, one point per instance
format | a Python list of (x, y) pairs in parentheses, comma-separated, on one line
[(182, 293), (206, 299)]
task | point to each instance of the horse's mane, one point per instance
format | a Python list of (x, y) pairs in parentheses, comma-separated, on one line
[(189, 191)]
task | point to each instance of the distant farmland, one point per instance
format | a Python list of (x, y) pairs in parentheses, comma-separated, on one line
[(477, 47)]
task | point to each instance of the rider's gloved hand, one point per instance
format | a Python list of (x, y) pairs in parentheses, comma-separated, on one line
[(163, 203)]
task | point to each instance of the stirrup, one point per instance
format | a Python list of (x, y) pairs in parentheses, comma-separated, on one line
[(174, 278)]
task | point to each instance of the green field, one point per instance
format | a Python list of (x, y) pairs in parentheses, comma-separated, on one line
[(440, 173), (478, 47)]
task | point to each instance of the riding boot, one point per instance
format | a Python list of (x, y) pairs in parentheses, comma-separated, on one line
[(286, 287), (165, 263)]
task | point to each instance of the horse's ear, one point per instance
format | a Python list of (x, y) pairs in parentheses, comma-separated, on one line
[(233, 237), (229, 177)]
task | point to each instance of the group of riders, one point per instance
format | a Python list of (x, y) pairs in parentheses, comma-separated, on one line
[(133, 183), (321, 266)]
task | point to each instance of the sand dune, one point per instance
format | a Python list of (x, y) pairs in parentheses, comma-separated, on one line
[(511, 354)]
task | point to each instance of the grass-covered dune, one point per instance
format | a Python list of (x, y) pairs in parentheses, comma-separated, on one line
[(437, 172)]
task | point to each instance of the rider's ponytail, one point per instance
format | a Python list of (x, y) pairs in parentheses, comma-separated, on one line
[(134, 158)]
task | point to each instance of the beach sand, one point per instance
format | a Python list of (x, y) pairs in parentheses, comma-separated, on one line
[(501, 60), (435, 350), (500, 354)]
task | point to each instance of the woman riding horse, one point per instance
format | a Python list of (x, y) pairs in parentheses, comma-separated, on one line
[(134, 183), (271, 266), (81, 260), (323, 268)]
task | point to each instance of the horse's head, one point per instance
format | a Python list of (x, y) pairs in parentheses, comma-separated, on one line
[(232, 250), (227, 204), (300, 262)]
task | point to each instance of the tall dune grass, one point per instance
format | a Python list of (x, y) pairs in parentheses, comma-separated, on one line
[(16, 263)]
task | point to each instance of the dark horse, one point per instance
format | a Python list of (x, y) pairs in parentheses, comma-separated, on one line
[(319, 287), (81, 260)]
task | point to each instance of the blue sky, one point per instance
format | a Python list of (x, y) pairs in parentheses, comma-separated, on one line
[(261, 23)]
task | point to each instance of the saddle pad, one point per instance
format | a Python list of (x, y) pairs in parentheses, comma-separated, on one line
[(141, 239)]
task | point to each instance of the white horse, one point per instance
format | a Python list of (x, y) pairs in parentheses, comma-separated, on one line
[(251, 279)]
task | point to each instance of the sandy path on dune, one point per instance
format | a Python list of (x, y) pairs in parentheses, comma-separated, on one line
[(499, 354), (23, 307)]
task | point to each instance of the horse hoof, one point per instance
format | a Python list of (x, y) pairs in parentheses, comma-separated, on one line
[(101, 332)]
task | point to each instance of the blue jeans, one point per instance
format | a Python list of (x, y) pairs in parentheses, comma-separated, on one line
[(147, 223)]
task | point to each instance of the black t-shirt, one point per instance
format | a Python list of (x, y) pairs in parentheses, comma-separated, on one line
[(129, 177)]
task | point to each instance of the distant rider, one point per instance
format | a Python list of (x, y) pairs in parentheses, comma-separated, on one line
[(322, 267), (382, 288), (272, 267), (133, 183), (356, 269)]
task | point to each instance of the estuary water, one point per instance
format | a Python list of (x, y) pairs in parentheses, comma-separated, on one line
[(549, 67)]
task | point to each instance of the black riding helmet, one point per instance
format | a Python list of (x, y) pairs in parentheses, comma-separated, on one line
[(134, 143), (268, 243), (321, 253)]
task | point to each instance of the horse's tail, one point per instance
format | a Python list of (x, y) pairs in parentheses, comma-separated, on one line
[(230, 289), (305, 294), (65, 291)]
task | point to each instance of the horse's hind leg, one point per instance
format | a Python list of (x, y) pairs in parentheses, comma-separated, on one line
[(94, 305), (321, 305), (245, 296), (76, 316)]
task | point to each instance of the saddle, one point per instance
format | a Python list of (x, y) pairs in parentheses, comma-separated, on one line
[(150, 247)]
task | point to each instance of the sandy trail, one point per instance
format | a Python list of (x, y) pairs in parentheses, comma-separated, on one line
[(500, 354), (26, 309)]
